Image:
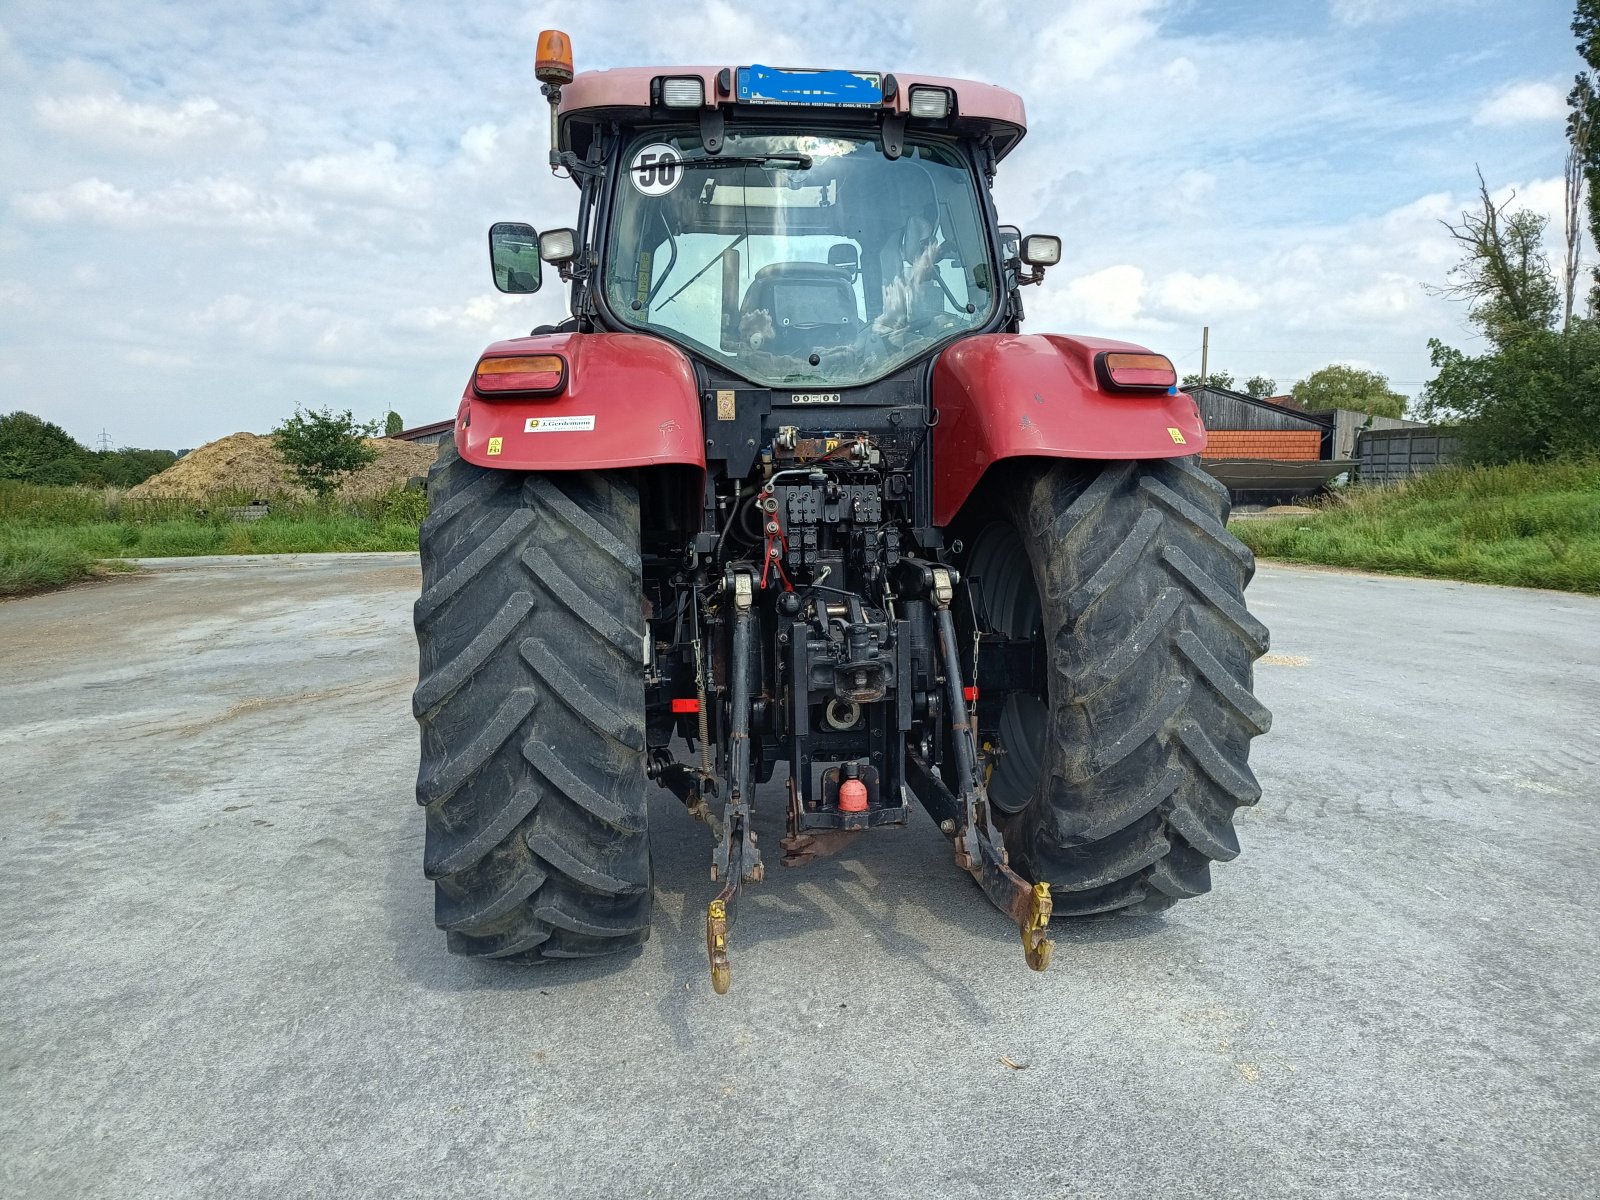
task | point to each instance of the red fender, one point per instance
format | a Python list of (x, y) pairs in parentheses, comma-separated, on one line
[(1008, 395), (629, 401)]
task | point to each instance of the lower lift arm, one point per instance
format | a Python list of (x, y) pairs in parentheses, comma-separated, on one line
[(966, 818)]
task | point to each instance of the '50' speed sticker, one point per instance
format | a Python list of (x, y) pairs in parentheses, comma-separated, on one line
[(656, 169)]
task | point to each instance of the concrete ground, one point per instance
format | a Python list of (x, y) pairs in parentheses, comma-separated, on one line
[(220, 976)]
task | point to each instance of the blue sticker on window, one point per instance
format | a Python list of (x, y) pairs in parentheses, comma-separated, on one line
[(773, 85)]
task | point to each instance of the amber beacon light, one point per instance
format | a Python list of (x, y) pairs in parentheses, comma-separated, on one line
[(553, 62), (552, 66)]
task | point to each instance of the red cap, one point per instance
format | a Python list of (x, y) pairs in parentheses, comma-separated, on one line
[(852, 796)]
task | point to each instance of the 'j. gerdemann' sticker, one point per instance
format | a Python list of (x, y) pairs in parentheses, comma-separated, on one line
[(656, 169), (559, 425)]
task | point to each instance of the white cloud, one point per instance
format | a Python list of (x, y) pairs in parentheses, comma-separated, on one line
[(1374, 12), (1212, 295), (479, 317), (1109, 298), (1519, 102), (1089, 36), (373, 175), (303, 331), (107, 119), (143, 356), (211, 203), (15, 292), (479, 142), (1180, 72)]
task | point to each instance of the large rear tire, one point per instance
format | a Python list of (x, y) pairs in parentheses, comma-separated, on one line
[(531, 701), (1119, 784)]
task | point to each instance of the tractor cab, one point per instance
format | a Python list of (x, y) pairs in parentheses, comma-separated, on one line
[(791, 228)]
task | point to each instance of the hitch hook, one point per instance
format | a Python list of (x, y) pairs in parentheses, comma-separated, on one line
[(717, 946)]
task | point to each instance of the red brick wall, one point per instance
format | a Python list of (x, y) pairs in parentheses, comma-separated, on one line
[(1295, 444)]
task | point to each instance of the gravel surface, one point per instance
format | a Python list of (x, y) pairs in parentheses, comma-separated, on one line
[(221, 978)]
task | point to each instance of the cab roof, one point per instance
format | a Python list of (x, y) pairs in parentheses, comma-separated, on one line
[(979, 107)]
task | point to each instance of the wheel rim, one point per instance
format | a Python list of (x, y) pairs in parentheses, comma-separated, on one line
[(1002, 575)]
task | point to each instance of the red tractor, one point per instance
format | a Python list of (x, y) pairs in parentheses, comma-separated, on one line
[(790, 486)]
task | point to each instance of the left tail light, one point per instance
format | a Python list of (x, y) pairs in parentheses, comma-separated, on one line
[(520, 375), (1121, 371)]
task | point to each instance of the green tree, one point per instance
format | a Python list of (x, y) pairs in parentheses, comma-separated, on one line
[(128, 466), (1260, 386), (1536, 399), (34, 450), (1536, 394), (1503, 275), (1342, 386), (1216, 379), (322, 447), (1583, 131), (392, 424)]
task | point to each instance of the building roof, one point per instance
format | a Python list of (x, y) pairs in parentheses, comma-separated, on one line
[(420, 431), (1224, 408)]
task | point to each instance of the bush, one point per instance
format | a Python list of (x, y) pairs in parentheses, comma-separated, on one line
[(322, 447), (38, 451), (1537, 398)]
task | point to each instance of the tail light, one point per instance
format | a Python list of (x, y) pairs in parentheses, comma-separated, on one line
[(520, 375), (1123, 371)]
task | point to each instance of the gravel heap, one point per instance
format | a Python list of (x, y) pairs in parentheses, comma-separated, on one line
[(248, 463)]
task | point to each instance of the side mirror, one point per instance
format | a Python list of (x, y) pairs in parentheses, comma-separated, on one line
[(1010, 243), (514, 257), (844, 255), (1041, 250)]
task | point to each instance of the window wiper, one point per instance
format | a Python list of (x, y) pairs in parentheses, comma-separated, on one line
[(800, 162), (714, 261)]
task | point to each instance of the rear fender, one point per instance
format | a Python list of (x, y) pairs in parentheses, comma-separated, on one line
[(1006, 395), (628, 401)]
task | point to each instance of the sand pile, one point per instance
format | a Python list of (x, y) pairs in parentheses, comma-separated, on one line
[(248, 463)]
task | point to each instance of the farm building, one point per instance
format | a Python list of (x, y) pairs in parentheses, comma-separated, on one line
[(427, 434), (1268, 450), (1263, 450)]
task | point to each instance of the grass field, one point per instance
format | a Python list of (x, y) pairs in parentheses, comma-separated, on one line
[(50, 536), (1523, 525), (1528, 526)]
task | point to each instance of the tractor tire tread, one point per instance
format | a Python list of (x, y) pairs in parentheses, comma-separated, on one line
[(530, 700), (1141, 588)]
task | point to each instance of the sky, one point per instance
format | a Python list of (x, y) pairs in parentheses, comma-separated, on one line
[(211, 212)]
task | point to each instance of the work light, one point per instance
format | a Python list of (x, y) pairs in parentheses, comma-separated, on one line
[(689, 92), (558, 245), (930, 102)]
